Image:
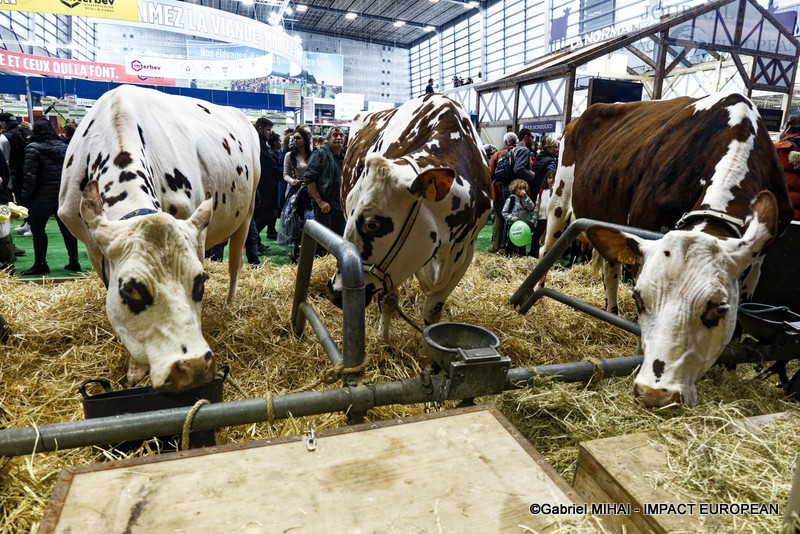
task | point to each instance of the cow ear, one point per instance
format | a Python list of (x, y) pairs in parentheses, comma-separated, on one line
[(762, 229), (433, 184), (92, 206), (616, 246), (202, 215)]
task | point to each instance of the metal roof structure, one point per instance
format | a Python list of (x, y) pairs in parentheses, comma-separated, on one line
[(375, 21), (729, 38)]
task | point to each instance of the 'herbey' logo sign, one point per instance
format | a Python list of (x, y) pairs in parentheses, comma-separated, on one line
[(72, 3)]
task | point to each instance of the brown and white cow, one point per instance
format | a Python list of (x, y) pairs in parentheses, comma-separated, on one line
[(708, 163), (417, 191), (150, 182)]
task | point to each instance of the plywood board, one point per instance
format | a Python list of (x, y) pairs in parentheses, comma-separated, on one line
[(614, 470), (467, 472)]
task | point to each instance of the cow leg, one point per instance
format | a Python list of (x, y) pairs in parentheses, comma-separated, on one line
[(559, 212), (136, 371), (611, 274), (388, 305), (235, 251)]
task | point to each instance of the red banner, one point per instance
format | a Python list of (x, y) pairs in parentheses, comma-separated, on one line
[(69, 68)]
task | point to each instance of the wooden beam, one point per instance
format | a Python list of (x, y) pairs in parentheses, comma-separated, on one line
[(658, 79)]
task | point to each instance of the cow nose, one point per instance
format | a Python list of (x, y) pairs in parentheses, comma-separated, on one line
[(191, 373), (655, 398)]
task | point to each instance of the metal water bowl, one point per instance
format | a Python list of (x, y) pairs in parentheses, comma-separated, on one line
[(468, 354), (442, 341)]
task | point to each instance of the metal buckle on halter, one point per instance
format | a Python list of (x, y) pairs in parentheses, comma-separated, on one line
[(735, 223), (381, 275)]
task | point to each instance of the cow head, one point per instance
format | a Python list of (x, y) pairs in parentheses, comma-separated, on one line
[(386, 215), (155, 288), (686, 296)]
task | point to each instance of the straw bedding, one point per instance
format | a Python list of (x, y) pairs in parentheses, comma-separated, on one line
[(61, 336)]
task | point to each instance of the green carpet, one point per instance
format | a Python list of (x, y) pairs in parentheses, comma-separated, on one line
[(57, 254)]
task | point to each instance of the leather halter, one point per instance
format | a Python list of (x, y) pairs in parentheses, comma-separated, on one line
[(134, 213), (734, 223), (379, 270)]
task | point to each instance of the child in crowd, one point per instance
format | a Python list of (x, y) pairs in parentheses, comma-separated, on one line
[(518, 207)]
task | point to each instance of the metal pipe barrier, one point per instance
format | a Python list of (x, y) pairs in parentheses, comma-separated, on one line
[(521, 296), (359, 398), (353, 296)]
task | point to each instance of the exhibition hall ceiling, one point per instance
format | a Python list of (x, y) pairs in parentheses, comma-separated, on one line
[(376, 21)]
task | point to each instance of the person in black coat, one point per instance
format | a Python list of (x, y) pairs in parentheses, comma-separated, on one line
[(44, 158)]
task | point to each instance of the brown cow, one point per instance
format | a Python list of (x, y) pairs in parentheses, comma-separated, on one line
[(707, 168)]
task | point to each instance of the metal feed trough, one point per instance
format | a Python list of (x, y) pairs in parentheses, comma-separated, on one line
[(468, 355)]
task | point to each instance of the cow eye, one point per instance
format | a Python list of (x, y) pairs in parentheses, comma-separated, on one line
[(135, 295), (714, 312), (128, 291), (637, 298), (371, 226)]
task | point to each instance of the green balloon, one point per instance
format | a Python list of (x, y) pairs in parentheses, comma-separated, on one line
[(520, 233)]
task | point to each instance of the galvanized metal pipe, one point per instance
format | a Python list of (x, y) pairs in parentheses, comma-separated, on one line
[(427, 388), (115, 429), (353, 294), (325, 339), (560, 246), (580, 305)]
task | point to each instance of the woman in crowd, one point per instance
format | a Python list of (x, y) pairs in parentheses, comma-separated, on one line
[(44, 158), (296, 161)]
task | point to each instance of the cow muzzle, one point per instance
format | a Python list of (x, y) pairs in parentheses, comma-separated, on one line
[(658, 398), (335, 296), (188, 374)]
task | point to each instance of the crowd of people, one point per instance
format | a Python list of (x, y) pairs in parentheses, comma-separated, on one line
[(293, 168), (278, 84), (300, 180), (30, 171)]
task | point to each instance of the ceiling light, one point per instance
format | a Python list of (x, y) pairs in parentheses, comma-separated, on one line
[(288, 10), (473, 4), (433, 1), (429, 28), (248, 2), (398, 23), (351, 16), (301, 8)]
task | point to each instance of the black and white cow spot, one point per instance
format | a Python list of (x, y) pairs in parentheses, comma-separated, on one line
[(123, 159), (198, 288), (658, 368), (226, 146), (135, 295), (177, 181), (110, 201)]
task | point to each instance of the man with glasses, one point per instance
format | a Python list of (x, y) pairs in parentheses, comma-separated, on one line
[(323, 179)]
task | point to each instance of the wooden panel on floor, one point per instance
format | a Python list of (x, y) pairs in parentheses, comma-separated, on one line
[(467, 470), (616, 470)]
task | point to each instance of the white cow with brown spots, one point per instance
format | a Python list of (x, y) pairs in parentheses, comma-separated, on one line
[(150, 182), (706, 162), (417, 190)]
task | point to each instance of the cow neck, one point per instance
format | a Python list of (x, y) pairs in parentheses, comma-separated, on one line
[(379, 270), (129, 215), (715, 218)]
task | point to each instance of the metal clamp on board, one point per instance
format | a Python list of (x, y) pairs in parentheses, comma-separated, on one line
[(477, 372)]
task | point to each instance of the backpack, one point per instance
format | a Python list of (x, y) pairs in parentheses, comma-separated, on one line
[(504, 169)]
